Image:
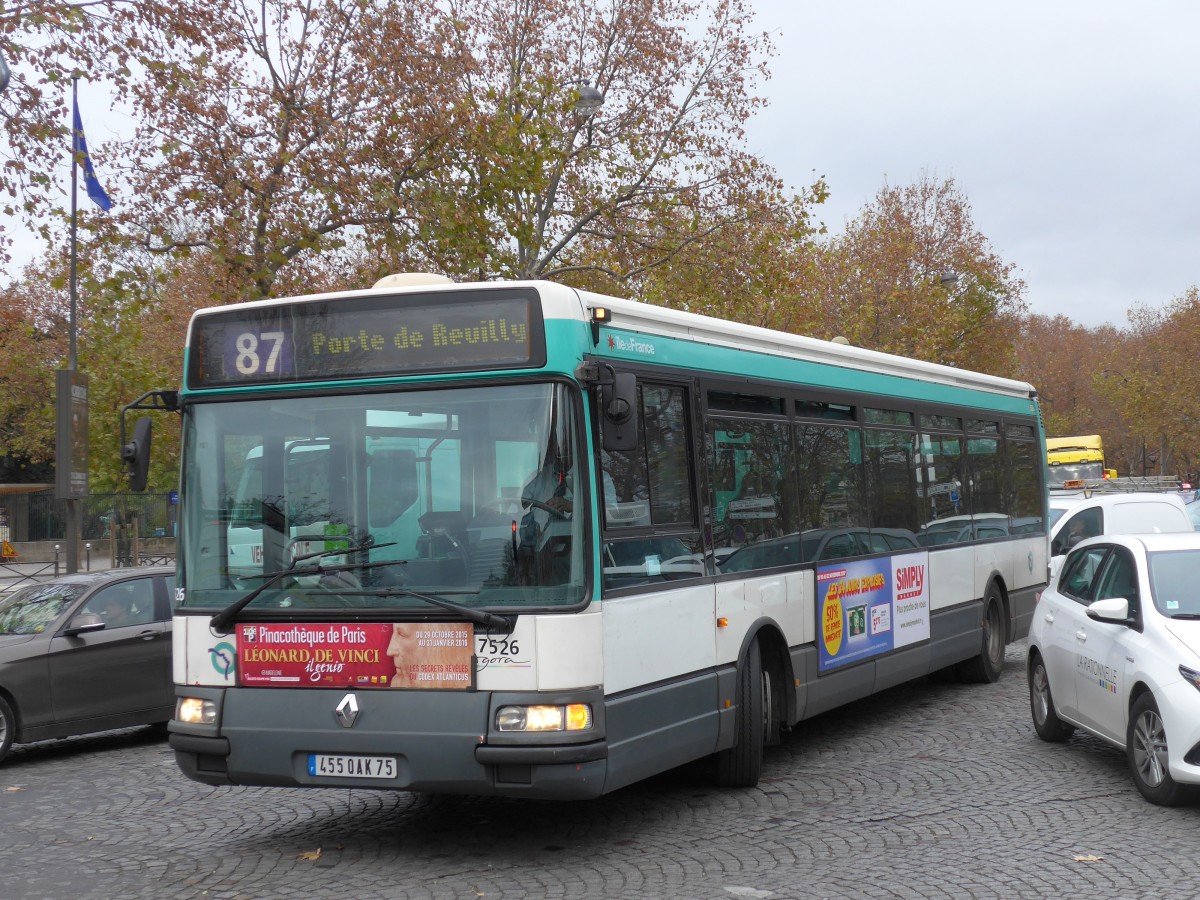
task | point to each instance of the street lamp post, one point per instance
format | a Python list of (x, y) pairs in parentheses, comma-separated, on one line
[(588, 98)]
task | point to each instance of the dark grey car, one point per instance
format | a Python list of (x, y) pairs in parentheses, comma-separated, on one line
[(86, 652)]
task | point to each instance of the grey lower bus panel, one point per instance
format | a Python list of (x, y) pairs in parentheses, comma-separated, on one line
[(953, 637), (267, 735), (1022, 602)]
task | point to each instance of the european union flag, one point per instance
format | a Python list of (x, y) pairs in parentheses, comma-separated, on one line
[(80, 151)]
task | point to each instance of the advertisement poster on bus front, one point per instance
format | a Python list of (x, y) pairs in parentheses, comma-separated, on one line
[(357, 655), (870, 607)]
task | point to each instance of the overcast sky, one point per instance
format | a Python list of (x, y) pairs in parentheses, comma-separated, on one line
[(1072, 126)]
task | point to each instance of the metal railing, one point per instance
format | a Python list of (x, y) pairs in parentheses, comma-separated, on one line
[(15, 574), (45, 517)]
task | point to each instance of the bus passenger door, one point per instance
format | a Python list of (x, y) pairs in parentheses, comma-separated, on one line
[(658, 608)]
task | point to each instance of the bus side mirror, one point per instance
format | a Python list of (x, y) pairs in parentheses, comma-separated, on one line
[(618, 412), (136, 455)]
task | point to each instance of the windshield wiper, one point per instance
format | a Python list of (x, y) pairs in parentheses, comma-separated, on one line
[(482, 617), (222, 621), (317, 554)]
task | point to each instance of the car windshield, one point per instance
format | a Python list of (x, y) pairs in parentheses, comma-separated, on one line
[(33, 609), (463, 493), (1173, 581)]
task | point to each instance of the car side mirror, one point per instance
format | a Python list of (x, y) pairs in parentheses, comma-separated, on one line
[(84, 623), (1114, 610)]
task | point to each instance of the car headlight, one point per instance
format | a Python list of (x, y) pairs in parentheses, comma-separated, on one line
[(571, 717), (1190, 675), (195, 711)]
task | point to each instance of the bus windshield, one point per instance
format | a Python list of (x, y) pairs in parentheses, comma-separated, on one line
[(463, 493)]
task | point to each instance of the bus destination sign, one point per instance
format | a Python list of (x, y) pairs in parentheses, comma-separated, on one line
[(364, 337)]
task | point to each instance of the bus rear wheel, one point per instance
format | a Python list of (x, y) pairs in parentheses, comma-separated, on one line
[(987, 666), (741, 764)]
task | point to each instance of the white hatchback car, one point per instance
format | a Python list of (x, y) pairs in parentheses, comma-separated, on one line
[(1114, 649)]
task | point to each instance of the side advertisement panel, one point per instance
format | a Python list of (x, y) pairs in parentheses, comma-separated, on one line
[(871, 607)]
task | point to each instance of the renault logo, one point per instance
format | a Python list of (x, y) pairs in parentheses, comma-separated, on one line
[(347, 711)]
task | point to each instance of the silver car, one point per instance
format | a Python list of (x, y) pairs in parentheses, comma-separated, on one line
[(85, 653)]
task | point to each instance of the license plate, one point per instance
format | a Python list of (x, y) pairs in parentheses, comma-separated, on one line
[(331, 765)]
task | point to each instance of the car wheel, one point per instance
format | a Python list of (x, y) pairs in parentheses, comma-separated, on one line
[(1046, 723), (741, 764), (1146, 750), (8, 728), (987, 666)]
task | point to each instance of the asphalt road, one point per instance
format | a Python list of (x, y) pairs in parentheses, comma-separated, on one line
[(928, 790)]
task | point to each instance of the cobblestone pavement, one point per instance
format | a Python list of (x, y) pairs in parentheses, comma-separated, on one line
[(929, 790)]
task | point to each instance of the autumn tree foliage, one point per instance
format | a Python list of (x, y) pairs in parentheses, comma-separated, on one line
[(1156, 385), (273, 133), (1062, 359), (911, 274), (1134, 386), (130, 328), (1076, 371), (32, 346), (46, 43), (539, 189), (750, 269)]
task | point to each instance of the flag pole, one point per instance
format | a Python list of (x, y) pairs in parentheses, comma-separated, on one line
[(74, 179), (74, 515)]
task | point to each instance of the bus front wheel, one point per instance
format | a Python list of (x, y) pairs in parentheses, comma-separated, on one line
[(741, 764)]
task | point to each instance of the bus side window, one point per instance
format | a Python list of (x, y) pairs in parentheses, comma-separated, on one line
[(651, 487)]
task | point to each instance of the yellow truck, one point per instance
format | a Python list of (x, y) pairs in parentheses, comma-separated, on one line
[(1080, 457)]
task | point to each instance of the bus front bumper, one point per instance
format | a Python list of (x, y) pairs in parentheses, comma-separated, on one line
[(440, 742)]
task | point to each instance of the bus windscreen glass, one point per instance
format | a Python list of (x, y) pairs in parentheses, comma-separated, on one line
[(364, 336), (463, 493)]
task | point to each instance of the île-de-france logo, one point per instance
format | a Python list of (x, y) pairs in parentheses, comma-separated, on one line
[(624, 344), (224, 658)]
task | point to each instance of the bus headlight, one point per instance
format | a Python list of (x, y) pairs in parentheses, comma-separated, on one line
[(572, 717), (195, 711)]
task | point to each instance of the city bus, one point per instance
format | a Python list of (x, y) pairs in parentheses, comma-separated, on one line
[(518, 539)]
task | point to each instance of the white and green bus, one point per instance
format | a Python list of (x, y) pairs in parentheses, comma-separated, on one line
[(518, 539)]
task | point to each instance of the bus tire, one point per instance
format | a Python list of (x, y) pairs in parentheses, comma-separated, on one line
[(987, 666), (741, 764), (8, 728)]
